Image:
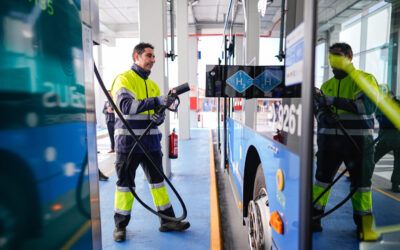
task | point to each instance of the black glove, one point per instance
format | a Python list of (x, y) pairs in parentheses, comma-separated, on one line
[(158, 118), (166, 100), (323, 100), (326, 116)]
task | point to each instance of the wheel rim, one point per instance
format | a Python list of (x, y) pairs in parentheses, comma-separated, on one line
[(256, 229), (255, 226)]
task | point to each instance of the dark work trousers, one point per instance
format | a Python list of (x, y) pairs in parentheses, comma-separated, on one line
[(389, 139), (110, 127), (125, 177), (337, 150), (360, 166)]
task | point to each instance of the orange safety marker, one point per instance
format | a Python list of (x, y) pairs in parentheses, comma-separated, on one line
[(276, 222)]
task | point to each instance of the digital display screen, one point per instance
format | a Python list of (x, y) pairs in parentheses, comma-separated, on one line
[(248, 82)]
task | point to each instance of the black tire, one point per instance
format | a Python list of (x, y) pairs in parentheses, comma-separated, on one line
[(259, 182), (19, 211), (11, 227)]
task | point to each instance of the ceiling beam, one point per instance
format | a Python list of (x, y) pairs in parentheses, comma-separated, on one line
[(213, 25)]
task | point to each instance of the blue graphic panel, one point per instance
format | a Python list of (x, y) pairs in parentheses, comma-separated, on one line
[(240, 81), (268, 80), (295, 53)]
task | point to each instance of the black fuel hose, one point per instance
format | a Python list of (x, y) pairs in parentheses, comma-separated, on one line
[(354, 189), (140, 145), (79, 189)]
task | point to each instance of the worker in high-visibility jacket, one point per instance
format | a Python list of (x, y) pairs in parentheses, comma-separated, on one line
[(345, 98), (137, 96)]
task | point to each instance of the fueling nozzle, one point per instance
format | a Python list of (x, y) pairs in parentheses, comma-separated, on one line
[(174, 93), (183, 88)]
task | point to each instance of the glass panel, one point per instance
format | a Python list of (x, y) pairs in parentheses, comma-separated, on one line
[(378, 24), (267, 116), (357, 119), (238, 112), (269, 48), (379, 67), (351, 35)]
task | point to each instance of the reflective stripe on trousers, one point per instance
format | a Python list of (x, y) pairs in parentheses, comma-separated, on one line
[(318, 188), (160, 196), (362, 201), (123, 200)]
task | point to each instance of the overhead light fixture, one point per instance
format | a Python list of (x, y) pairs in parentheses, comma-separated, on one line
[(195, 2)]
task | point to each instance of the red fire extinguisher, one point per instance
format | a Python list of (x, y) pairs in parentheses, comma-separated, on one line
[(173, 145)]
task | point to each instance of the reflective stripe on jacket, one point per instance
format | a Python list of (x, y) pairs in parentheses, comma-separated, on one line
[(360, 123), (136, 99)]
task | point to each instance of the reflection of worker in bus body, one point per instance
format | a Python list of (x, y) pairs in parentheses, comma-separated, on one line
[(355, 111), (389, 140)]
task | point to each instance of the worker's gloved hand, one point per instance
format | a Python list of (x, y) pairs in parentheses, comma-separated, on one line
[(329, 100), (326, 117), (323, 100), (166, 100), (158, 118)]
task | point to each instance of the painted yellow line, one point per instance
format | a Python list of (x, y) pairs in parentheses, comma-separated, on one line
[(215, 221), (386, 193), (381, 191), (388, 229), (83, 229)]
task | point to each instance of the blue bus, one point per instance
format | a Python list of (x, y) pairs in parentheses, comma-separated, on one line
[(271, 159), (44, 127)]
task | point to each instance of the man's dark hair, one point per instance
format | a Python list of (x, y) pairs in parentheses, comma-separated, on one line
[(344, 47), (141, 47)]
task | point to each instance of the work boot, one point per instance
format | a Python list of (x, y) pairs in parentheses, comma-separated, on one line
[(119, 234), (316, 224), (102, 177), (174, 226), (395, 188), (366, 229), (111, 151)]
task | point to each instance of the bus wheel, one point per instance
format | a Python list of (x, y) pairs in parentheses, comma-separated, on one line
[(9, 224), (259, 231)]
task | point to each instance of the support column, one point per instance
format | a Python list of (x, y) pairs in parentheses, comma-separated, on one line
[(193, 54), (252, 44), (100, 98), (152, 29), (239, 50), (183, 68)]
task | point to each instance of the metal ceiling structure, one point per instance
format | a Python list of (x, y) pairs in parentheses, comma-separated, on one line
[(119, 18)]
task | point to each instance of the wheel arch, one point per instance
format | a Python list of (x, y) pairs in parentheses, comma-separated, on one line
[(250, 170)]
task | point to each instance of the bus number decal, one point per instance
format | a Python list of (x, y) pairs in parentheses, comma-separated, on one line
[(290, 119)]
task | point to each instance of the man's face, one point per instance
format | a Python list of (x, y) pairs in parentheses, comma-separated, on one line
[(338, 59), (146, 59)]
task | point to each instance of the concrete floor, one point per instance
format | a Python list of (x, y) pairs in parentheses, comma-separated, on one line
[(190, 176)]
